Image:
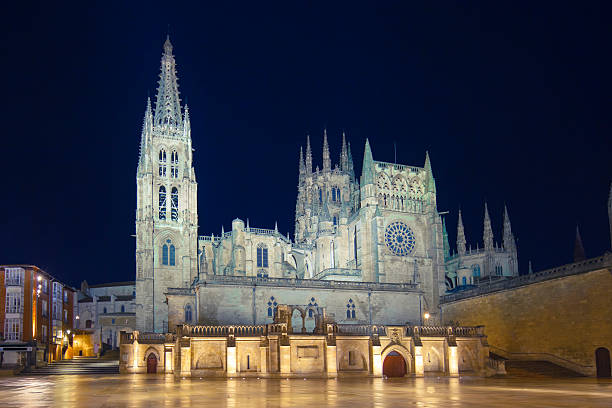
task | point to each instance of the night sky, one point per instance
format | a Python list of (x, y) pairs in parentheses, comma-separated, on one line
[(512, 101)]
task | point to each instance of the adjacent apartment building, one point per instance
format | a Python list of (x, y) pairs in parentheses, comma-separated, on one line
[(37, 320)]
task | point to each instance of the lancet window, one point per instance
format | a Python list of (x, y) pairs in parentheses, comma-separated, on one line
[(162, 203), (168, 254), (272, 306), (174, 167), (476, 270), (311, 307), (335, 193), (162, 163), (174, 204), (350, 309), (262, 256), (188, 314)]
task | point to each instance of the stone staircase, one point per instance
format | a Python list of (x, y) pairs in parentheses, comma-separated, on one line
[(543, 369), (78, 365)]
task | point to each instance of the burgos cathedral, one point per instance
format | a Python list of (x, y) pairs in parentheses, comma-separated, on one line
[(367, 250)]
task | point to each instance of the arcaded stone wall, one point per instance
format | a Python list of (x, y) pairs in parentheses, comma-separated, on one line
[(569, 317)]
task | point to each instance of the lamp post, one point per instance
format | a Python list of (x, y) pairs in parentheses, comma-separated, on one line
[(426, 316)]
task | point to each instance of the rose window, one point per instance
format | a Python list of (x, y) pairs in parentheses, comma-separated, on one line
[(399, 239)]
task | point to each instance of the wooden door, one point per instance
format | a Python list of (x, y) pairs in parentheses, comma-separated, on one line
[(151, 364), (394, 365), (602, 361)]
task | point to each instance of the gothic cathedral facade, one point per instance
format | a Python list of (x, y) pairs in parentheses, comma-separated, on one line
[(372, 250)]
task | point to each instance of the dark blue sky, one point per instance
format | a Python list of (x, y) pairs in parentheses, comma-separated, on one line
[(512, 101)]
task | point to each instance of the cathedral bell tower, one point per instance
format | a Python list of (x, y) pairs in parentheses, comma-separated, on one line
[(166, 206)]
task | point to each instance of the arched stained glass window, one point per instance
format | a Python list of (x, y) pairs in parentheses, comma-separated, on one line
[(272, 305), (174, 204), (165, 255), (350, 309), (312, 305), (162, 163), (476, 270), (172, 255), (188, 315), (174, 167), (262, 256), (162, 203), (168, 253)]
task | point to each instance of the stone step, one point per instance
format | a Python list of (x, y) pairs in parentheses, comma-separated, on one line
[(81, 366), (518, 368)]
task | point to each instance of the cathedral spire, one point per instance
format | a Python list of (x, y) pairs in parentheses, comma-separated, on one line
[(344, 154), (326, 158), (431, 183), (367, 172), (579, 254), (302, 167), (460, 236), (487, 234), (446, 245), (350, 167), (308, 156), (144, 138), (509, 242), (168, 104)]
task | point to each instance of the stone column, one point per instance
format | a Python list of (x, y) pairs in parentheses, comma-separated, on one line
[(453, 361), (376, 361), (231, 360), (185, 361), (285, 359), (419, 369), (332, 363), (263, 359)]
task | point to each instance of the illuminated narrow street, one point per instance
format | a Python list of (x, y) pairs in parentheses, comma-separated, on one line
[(165, 391)]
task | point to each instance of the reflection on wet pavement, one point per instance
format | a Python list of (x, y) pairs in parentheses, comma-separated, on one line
[(166, 391)]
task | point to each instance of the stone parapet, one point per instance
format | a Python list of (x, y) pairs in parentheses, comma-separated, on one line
[(576, 268)]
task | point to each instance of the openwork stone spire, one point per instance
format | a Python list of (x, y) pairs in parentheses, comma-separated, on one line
[(460, 236), (488, 231), (344, 154), (168, 106), (326, 158), (308, 155), (509, 242)]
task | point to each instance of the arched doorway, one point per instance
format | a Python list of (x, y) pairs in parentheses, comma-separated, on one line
[(602, 361), (151, 364), (394, 365)]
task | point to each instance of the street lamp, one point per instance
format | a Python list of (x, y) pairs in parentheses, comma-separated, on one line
[(426, 316)]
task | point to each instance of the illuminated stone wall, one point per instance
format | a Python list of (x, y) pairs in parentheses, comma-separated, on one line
[(565, 318)]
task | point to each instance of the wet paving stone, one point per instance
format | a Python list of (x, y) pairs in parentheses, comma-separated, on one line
[(136, 391)]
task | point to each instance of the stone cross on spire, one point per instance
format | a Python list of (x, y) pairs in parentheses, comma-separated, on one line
[(168, 104)]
